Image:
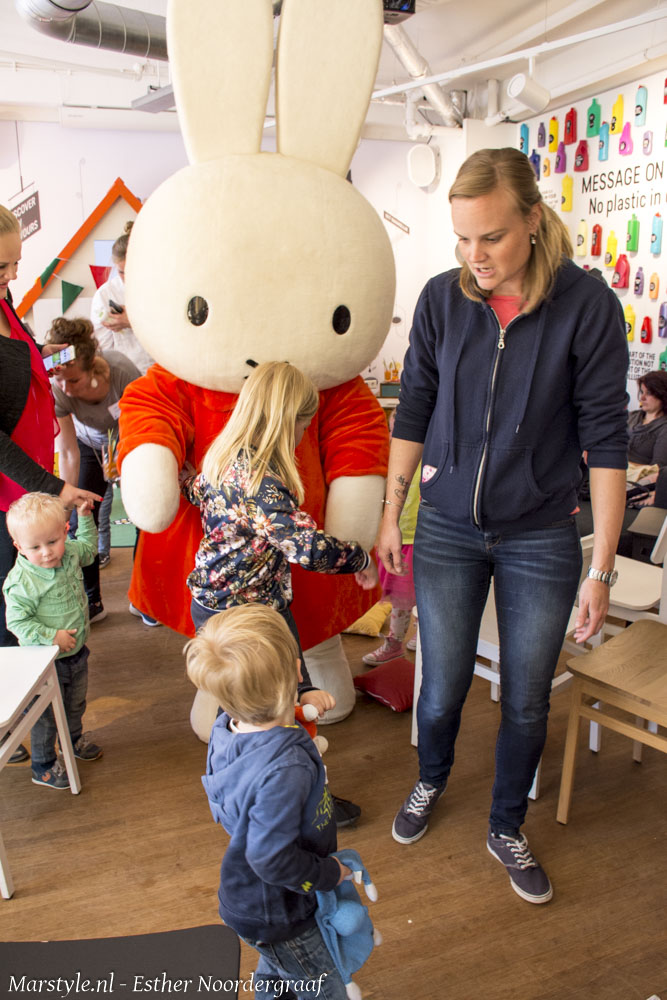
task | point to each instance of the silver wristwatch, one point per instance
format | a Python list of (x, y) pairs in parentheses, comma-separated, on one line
[(610, 577)]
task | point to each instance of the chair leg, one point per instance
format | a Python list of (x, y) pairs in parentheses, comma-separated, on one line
[(638, 747), (594, 733), (570, 754), (6, 882)]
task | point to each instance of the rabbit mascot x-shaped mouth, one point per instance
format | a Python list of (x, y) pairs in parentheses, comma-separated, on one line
[(249, 257)]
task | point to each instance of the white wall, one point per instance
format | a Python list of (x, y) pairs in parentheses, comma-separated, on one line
[(72, 169)]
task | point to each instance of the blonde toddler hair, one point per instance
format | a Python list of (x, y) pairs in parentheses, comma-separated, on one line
[(35, 508), (261, 427), (507, 168), (246, 657)]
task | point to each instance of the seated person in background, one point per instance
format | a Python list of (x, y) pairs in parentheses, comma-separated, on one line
[(47, 606), (266, 785), (648, 424)]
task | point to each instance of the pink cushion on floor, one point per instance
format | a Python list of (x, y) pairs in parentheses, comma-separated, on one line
[(391, 683)]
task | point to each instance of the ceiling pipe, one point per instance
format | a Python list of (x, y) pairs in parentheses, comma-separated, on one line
[(99, 25), (530, 53), (419, 69)]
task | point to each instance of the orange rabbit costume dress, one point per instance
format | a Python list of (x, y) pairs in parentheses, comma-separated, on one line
[(347, 437)]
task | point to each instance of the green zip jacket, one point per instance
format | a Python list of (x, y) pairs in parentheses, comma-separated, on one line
[(41, 601)]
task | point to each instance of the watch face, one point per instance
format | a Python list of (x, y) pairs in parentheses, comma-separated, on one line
[(613, 577)]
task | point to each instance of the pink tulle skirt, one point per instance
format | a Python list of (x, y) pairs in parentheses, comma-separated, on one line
[(400, 590)]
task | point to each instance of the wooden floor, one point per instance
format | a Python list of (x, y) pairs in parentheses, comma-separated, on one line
[(137, 850)]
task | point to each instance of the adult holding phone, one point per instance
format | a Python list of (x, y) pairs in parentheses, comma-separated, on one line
[(516, 364)]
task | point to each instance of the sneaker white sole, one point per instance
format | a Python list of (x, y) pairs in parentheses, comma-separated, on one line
[(520, 892), (407, 840)]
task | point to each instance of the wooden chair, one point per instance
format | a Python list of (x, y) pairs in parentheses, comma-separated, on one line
[(626, 676), (28, 685)]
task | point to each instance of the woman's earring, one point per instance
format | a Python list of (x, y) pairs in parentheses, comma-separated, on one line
[(533, 239), (94, 383)]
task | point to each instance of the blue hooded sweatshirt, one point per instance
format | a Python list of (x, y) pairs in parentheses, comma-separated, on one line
[(505, 415), (268, 790)]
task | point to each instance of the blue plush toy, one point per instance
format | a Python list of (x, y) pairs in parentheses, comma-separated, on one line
[(345, 924)]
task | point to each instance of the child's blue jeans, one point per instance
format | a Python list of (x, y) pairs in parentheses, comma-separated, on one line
[(73, 679), (301, 967)]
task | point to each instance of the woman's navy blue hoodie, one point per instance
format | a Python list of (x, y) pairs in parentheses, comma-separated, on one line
[(268, 790), (505, 415)]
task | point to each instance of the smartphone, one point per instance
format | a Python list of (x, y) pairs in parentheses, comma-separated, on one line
[(60, 358), (114, 307)]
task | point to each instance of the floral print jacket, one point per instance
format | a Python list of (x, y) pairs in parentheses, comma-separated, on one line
[(249, 542)]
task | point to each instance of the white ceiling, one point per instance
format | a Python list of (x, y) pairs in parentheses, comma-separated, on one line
[(44, 79)]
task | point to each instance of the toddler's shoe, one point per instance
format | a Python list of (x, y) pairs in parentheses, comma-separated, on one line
[(55, 777), (390, 649), (411, 644), (19, 755), (345, 812), (105, 559), (85, 749), (146, 619), (96, 612)]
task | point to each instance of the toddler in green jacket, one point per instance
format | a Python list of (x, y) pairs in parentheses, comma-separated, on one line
[(46, 606)]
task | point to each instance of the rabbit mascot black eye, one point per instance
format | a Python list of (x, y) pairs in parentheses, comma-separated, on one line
[(247, 257)]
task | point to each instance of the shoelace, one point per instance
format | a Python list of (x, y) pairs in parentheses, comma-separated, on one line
[(521, 852), (83, 741), (59, 768), (420, 799)]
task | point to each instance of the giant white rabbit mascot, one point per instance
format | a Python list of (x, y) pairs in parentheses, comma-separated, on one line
[(248, 257)]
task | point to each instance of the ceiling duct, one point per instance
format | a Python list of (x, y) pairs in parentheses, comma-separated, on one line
[(418, 68), (99, 25)]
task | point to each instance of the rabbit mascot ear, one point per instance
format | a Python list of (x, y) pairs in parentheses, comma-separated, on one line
[(244, 257)]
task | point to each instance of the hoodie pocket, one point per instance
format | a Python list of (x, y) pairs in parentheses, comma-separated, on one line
[(509, 487)]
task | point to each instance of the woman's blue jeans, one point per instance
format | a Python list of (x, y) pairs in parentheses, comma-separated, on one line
[(536, 574)]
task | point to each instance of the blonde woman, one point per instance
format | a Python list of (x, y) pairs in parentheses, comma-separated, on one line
[(517, 363)]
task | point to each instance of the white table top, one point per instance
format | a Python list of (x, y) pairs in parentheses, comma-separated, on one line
[(20, 669)]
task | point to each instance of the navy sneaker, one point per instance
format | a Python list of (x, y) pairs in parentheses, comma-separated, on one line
[(411, 821), (85, 749), (345, 812), (19, 755), (527, 877), (146, 619), (96, 612), (55, 777)]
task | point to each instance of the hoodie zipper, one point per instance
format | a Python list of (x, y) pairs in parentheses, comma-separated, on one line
[(502, 331)]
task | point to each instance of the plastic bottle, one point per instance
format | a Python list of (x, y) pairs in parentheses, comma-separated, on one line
[(570, 131), (581, 156), (653, 286), (629, 321), (616, 126), (593, 119), (524, 139), (662, 362), (632, 240), (639, 281), (603, 142), (626, 144), (656, 234), (647, 143), (647, 330), (610, 253), (621, 275), (662, 321), (582, 235), (536, 161), (566, 194), (596, 243), (640, 105), (561, 163), (546, 167), (541, 136), (553, 135), (665, 97)]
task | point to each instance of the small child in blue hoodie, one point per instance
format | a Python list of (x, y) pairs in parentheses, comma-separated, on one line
[(266, 786)]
